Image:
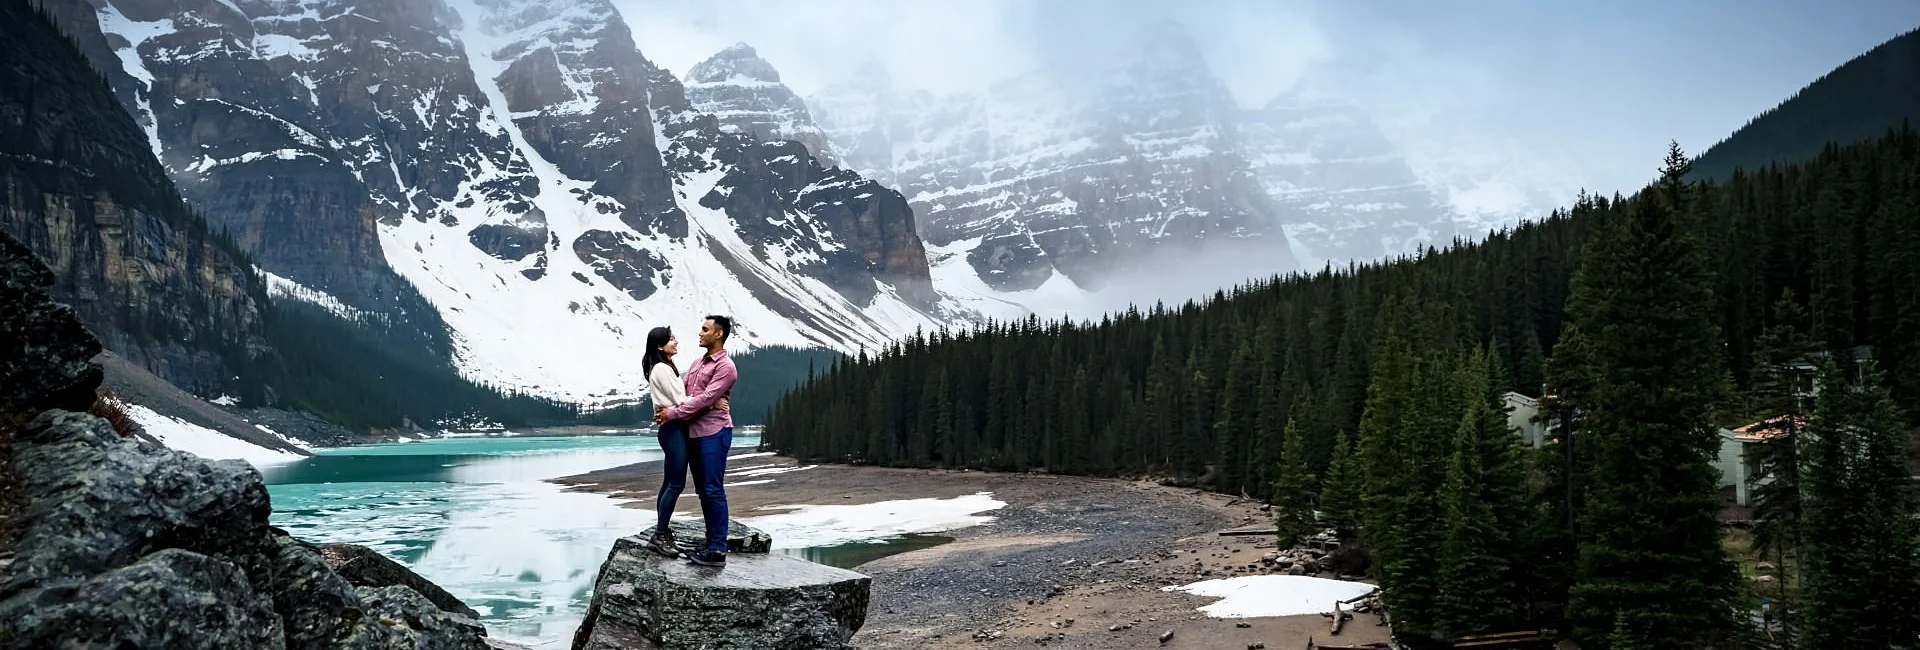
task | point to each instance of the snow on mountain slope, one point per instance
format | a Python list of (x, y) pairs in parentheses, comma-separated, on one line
[(552, 193), (745, 93), (1063, 172), (1345, 192)]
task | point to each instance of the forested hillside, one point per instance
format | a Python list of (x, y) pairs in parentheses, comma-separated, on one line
[(79, 185), (1385, 378), (1857, 101)]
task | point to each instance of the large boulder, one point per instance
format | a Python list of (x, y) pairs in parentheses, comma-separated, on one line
[(126, 543), (365, 567), (45, 354), (691, 534), (757, 601)]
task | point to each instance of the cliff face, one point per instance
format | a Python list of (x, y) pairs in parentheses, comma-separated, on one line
[(79, 187), (470, 171)]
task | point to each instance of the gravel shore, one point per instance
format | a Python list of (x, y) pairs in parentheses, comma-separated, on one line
[(1070, 562)]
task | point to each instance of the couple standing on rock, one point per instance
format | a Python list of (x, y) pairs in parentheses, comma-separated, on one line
[(696, 430)]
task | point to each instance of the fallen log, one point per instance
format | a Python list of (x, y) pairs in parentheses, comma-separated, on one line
[(1249, 531), (1338, 618)]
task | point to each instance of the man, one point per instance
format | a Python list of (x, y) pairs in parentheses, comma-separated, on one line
[(709, 433)]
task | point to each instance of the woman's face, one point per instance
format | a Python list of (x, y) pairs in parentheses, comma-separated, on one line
[(672, 347)]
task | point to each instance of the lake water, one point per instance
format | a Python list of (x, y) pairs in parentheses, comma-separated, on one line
[(476, 516)]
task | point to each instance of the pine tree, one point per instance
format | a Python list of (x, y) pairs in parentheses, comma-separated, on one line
[(1777, 489), (1860, 572), (1233, 429), (1293, 494), (1484, 498), (1650, 547), (1398, 516), (1340, 492)]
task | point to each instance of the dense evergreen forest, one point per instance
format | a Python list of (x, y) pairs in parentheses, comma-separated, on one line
[(1373, 395), (766, 374), (1853, 103)]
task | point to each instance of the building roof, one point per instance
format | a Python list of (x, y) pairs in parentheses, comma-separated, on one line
[(1767, 429)]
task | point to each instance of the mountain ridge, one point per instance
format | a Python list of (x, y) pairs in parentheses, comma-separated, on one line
[(524, 167)]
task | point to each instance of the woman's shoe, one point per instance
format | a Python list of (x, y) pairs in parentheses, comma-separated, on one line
[(708, 557), (662, 542)]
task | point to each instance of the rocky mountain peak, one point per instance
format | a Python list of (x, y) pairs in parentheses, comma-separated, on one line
[(744, 92), (738, 63)]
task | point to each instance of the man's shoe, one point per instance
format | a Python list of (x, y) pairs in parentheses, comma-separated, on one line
[(708, 557), (662, 542)]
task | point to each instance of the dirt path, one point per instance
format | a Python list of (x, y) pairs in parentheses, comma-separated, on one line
[(1069, 562)]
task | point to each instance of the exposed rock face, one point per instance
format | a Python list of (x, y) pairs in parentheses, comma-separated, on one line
[(229, 94), (128, 543), (826, 223), (745, 93), (1343, 189), (365, 567), (1072, 172), (45, 361), (80, 188), (520, 163), (758, 600)]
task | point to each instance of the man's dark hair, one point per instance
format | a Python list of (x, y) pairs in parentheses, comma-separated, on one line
[(725, 324)]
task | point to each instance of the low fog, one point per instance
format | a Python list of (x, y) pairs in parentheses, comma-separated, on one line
[(1501, 105)]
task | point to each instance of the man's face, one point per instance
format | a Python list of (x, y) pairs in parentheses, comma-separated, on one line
[(708, 334)]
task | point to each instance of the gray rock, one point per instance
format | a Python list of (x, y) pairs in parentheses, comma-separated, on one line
[(691, 534), (170, 599), (365, 567), (98, 501), (642, 600), (45, 360), (129, 544)]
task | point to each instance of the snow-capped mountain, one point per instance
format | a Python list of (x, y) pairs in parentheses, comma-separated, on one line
[(1345, 191), (744, 91), (1050, 181), (1069, 168), (548, 189)]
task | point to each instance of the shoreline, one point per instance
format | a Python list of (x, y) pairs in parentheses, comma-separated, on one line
[(1068, 562)]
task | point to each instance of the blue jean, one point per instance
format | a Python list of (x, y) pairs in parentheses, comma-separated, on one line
[(709, 462), (673, 442)]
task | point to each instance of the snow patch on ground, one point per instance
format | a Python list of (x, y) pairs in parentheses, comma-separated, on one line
[(203, 442), (816, 525), (1270, 595)]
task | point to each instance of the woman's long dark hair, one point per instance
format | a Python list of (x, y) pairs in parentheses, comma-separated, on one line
[(656, 338)]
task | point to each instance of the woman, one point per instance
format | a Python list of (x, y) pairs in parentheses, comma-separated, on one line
[(667, 389)]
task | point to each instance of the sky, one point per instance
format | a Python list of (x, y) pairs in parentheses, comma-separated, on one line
[(1501, 101)]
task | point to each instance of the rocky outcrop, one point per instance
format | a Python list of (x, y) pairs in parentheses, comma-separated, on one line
[(365, 567), (691, 534), (80, 188), (229, 94), (744, 91), (759, 600), (125, 543), (45, 358), (791, 207), (128, 543)]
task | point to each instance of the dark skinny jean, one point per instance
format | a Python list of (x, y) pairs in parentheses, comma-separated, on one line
[(708, 460)]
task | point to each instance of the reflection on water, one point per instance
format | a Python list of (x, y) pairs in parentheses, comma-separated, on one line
[(475, 516)]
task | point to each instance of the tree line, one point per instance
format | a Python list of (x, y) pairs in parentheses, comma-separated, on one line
[(1371, 398)]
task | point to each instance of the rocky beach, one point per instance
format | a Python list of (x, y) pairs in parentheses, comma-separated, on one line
[(1068, 562)]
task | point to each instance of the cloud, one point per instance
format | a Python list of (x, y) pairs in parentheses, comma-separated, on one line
[(942, 46)]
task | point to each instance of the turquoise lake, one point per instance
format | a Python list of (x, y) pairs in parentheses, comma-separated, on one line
[(477, 517)]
